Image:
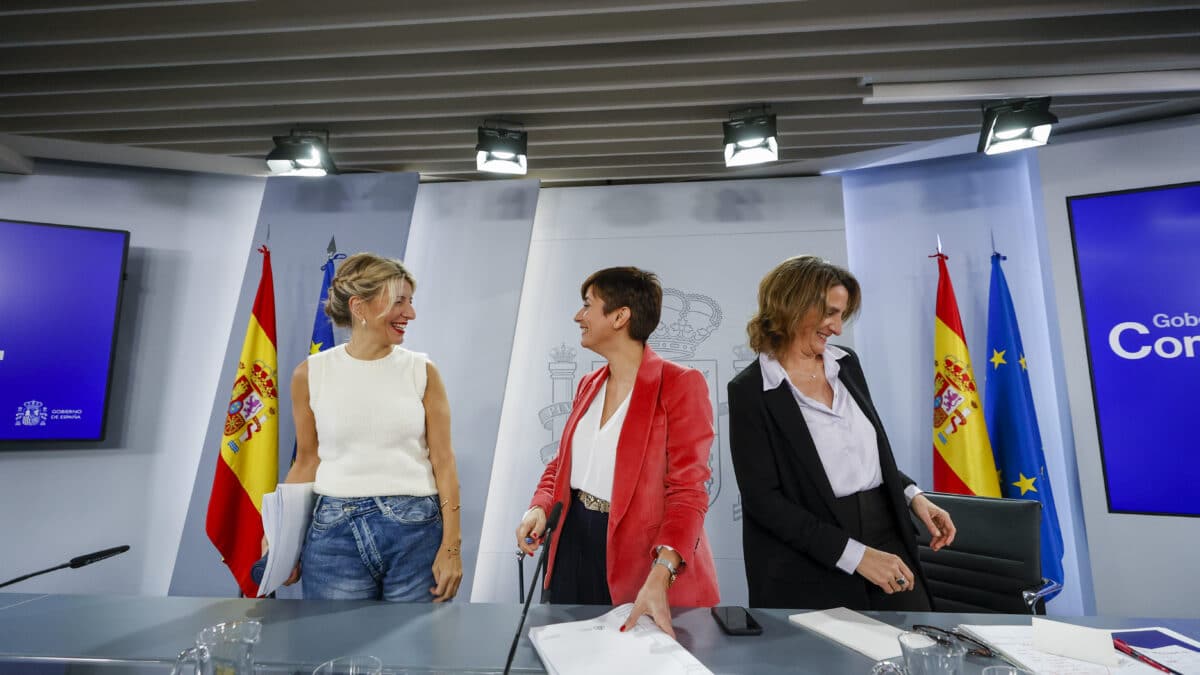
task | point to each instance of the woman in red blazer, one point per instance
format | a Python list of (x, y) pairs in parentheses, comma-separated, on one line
[(631, 467)]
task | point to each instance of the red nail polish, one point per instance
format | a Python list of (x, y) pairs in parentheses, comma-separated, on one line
[(622, 629)]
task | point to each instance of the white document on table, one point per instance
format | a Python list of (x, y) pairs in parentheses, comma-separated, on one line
[(598, 647), (874, 639), (1094, 645), (286, 513), (1015, 643)]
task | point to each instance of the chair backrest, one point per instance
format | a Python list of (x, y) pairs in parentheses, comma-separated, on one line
[(995, 556)]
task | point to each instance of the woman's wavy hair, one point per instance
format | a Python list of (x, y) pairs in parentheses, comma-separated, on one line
[(788, 292), (366, 276)]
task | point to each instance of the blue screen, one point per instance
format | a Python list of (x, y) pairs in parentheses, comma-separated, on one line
[(60, 290), (1138, 257)]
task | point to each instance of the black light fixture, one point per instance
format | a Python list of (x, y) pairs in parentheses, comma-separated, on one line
[(301, 153), (502, 149), (750, 137), (1015, 125)]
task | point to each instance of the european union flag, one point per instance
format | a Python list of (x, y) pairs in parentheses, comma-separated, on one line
[(322, 334), (1012, 420)]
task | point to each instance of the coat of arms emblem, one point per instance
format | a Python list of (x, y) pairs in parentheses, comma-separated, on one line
[(32, 414)]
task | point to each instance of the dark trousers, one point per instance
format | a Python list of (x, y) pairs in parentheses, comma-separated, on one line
[(580, 575), (870, 520)]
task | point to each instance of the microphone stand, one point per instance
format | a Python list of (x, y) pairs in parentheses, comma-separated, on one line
[(520, 575), (551, 523), (78, 561)]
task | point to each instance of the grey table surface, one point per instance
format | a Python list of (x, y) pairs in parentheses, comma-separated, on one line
[(453, 638)]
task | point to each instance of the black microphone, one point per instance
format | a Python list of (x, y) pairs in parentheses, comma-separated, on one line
[(80, 561), (551, 523), (90, 558)]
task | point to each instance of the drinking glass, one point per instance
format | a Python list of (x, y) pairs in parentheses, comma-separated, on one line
[(223, 649), (923, 655), (351, 665)]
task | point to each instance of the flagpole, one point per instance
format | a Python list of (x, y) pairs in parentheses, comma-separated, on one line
[(938, 253)]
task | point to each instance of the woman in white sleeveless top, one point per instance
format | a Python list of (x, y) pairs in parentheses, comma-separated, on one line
[(373, 434)]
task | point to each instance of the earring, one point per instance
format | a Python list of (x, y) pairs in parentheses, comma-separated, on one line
[(364, 320)]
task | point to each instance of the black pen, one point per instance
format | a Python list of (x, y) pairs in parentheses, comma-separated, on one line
[(1123, 647)]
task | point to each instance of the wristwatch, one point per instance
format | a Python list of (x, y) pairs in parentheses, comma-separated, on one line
[(670, 568)]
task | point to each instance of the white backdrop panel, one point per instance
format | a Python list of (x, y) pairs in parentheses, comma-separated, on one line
[(710, 243), (467, 248), (190, 237), (894, 216)]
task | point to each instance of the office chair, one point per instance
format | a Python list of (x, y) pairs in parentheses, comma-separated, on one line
[(994, 564)]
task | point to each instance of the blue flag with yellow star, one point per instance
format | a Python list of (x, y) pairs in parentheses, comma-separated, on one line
[(1012, 420), (322, 334)]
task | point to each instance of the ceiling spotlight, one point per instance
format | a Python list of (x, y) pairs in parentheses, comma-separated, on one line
[(301, 153), (750, 137), (502, 150), (1015, 125)]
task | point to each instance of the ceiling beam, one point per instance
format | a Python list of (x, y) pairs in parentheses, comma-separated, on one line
[(497, 107), (18, 56), (829, 52), (845, 111), (1048, 62)]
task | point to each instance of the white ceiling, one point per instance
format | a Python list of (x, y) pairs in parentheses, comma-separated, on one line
[(609, 90)]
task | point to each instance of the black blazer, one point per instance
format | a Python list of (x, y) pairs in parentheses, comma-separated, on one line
[(792, 533)]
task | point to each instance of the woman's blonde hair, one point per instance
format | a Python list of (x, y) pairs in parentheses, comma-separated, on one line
[(366, 276), (788, 292)]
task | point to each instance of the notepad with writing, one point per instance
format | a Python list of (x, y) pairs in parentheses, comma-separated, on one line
[(874, 639), (1016, 644)]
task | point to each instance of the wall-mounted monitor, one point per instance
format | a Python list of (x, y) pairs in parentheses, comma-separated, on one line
[(60, 297), (1137, 257)]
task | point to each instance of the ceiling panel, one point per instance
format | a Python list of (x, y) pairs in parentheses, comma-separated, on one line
[(609, 91)]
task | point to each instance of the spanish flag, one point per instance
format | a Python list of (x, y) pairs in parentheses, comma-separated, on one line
[(962, 455), (248, 466)]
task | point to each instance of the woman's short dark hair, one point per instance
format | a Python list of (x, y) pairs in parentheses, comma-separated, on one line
[(788, 292), (637, 289)]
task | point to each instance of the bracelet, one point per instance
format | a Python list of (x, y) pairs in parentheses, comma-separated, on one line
[(670, 568), (452, 550), (456, 507)]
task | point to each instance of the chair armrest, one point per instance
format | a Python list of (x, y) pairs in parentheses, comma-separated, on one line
[(1032, 596)]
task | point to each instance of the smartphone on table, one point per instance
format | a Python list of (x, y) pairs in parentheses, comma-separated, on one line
[(736, 621)]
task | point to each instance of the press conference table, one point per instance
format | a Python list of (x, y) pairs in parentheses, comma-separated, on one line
[(47, 633)]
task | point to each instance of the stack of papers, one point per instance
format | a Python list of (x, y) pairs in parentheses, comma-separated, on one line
[(1016, 644), (598, 647), (286, 513), (874, 639)]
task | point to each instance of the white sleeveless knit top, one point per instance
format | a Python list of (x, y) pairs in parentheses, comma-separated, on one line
[(370, 424)]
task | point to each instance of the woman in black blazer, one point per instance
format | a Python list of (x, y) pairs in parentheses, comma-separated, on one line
[(825, 510)]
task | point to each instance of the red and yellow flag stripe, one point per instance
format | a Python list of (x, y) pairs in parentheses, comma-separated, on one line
[(962, 454), (248, 466)]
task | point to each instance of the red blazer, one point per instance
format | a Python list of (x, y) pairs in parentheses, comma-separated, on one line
[(658, 495)]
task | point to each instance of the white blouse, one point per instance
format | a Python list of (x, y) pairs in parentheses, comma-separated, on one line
[(594, 447), (845, 440)]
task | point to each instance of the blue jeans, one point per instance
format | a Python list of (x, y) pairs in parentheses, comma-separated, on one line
[(372, 548)]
